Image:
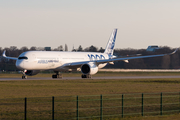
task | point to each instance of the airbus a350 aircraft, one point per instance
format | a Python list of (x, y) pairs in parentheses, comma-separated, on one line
[(32, 62)]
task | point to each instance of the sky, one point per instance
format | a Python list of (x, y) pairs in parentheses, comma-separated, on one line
[(51, 23)]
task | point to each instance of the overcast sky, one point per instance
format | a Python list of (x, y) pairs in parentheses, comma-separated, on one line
[(52, 23)]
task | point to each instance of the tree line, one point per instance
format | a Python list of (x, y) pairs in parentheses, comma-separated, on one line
[(165, 62)]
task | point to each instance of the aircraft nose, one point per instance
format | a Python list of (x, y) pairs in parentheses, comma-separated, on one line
[(20, 64)]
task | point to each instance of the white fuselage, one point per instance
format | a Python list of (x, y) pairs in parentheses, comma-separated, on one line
[(53, 60)]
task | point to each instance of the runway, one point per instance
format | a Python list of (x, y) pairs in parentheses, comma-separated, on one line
[(93, 78)]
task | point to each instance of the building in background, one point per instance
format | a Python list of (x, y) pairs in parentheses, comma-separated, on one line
[(47, 48), (152, 48)]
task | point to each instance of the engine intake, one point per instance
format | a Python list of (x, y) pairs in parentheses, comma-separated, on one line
[(89, 69)]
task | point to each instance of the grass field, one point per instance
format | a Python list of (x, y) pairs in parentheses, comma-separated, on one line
[(169, 117), (49, 88), (78, 74)]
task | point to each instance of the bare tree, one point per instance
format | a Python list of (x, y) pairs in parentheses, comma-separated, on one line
[(80, 48), (24, 49), (66, 47), (13, 48), (60, 48), (175, 61), (33, 48), (101, 50), (166, 62), (91, 49), (40, 48)]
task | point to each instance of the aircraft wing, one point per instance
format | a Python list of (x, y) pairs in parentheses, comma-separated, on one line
[(136, 57), (97, 62), (4, 55)]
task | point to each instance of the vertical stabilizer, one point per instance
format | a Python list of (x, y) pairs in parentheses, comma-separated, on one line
[(111, 43)]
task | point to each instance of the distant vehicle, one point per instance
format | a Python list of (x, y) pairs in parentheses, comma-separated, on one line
[(152, 48), (32, 62)]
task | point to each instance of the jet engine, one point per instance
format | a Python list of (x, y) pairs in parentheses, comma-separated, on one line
[(31, 72), (89, 69)]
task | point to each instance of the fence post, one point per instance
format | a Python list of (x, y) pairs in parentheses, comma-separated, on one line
[(77, 108), (161, 104), (25, 107), (142, 105), (179, 101), (53, 108), (101, 108), (122, 106)]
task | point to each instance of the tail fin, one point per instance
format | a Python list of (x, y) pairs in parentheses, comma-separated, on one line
[(111, 43)]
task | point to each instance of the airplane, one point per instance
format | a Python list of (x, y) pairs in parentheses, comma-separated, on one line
[(32, 62)]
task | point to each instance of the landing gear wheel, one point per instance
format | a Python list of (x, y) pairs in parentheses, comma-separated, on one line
[(83, 76), (54, 76), (89, 76), (86, 76), (24, 77), (57, 75)]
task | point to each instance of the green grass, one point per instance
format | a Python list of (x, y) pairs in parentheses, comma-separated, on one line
[(48, 88), (169, 117), (78, 74), (38, 91)]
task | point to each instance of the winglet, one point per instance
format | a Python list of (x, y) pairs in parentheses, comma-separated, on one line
[(4, 53), (174, 51)]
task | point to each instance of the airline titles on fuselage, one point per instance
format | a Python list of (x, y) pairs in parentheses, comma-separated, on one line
[(90, 56), (47, 61)]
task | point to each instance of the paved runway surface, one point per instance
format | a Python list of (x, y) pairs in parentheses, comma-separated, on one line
[(107, 77)]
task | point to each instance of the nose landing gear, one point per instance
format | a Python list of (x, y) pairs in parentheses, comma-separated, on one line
[(24, 74), (24, 77)]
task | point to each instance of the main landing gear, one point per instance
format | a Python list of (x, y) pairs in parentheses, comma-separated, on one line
[(24, 77), (86, 76), (24, 74), (57, 75)]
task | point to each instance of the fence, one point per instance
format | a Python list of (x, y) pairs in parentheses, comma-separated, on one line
[(90, 106)]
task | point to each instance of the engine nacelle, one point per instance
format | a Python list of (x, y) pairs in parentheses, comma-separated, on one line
[(32, 72), (89, 69)]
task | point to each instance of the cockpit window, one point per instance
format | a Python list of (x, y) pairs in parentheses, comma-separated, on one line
[(24, 57)]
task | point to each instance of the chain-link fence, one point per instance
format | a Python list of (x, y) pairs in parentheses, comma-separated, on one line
[(90, 106)]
